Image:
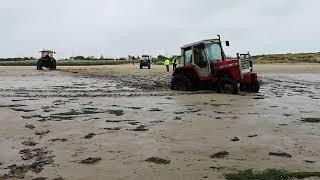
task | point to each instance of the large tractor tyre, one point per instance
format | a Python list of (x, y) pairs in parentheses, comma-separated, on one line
[(228, 86), (141, 66), (39, 64), (53, 65), (149, 66), (243, 87), (182, 84), (255, 86)]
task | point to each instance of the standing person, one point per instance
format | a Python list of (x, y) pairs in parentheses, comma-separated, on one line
[(167, 64), (174, 64)]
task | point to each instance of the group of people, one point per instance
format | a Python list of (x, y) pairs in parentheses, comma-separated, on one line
[(174, 63)]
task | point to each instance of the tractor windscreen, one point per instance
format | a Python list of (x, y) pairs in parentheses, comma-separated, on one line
[(214, 52)]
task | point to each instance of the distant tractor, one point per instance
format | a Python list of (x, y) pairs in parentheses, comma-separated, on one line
[(145, 61), (47, 60), (205, 66)]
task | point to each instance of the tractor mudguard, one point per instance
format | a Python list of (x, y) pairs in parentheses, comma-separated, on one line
[(230, 67)]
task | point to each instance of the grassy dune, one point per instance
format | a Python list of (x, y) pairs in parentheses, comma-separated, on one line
[(287, 58)]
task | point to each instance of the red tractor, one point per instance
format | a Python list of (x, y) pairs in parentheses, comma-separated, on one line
[(205, 66)]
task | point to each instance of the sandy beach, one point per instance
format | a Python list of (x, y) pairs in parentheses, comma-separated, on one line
[(120, 122)]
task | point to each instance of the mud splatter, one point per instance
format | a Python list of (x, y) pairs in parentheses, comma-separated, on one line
[(140, 128), (40, 178), (280, 154), (89, 136), (113, 129), (22, 110), (155, 110), (90, 160), (29, 99), (58, 139), (158, 160), (29, 143), (116, 112), (235, 139), (254, 135), (221, 154), (310, 120), (41, 133), (12, 106), (134, 108), (32, 116), (41, 157), (216, 168), (29, 126)]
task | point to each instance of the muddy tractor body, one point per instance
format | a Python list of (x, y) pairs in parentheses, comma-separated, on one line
[(205, 66), (145, 61), (47, 60)]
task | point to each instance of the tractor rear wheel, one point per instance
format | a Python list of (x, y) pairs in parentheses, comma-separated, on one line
[(228, 86), (255, 86), (149, 66), (141, 66), (39, 64)]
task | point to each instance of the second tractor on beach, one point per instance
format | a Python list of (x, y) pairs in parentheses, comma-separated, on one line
[(205, 66), (145, 61), (47, 60)]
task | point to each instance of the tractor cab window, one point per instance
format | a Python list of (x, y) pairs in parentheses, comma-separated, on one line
[(188, 56), (214, 52), (199, 57), (46, 54)]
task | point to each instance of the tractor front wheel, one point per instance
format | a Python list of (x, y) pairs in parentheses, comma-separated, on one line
[(182, 84), (228, 86), (243, 87), (255, 86)]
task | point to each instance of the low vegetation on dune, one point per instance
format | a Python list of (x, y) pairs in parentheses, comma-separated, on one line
[(287, 58)]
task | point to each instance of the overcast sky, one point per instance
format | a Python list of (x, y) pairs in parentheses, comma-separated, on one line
[(132, 27)]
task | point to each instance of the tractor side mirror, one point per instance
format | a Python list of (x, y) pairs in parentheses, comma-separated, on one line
[(227, 43)]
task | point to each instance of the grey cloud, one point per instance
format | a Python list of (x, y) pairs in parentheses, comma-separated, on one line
[(122, 27)]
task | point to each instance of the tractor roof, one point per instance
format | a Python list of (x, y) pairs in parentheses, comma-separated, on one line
[(47, 51), (145, 56), (206, 41)]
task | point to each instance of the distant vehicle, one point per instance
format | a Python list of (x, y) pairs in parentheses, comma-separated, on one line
[(205, 65), (145, 61), (47, 60)]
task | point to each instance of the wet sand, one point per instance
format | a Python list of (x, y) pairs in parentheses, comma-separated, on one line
[(51, 121)]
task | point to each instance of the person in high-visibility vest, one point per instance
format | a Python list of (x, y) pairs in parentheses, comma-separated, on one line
[(174, 64), (167, 64)]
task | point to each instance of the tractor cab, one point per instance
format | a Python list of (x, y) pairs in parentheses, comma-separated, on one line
[(145, 61), (205, 65), (46, 60), (203, 55), (47, 54)]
